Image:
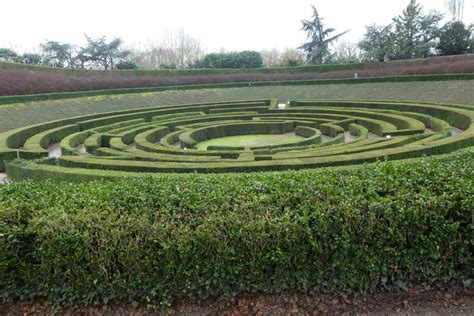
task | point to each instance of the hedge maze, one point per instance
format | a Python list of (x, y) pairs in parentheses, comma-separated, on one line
[(164, 139)]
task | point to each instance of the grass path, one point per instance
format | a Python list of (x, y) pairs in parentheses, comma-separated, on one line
[(250, 140)]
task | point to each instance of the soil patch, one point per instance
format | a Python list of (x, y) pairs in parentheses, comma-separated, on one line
[(348, 137), (455, 131), (451, 299), (54, 150)]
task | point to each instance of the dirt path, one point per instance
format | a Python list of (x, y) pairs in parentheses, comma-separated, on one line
[(445, 300), (3, 177), (455, 131), (54, 150), (348, 137)]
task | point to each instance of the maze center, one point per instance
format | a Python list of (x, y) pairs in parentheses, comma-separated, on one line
[(248, 141), (236, 136)]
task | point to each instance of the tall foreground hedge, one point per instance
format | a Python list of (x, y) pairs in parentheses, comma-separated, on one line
[(200, 236)]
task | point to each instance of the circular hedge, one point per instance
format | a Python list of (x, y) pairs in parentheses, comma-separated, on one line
[(163, 139)]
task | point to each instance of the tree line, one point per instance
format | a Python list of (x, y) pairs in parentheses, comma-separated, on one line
[(97, 53), (412, 34)]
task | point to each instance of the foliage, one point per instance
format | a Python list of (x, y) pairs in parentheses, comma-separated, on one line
[(243, 59), (415, 32), (411, 35), (168, 66), (107, 54), (292, 58), (287, 58), (57, 54), (377, 44), (7, 54), (344, 53), (317, 49), (32, 59), (198, 237), (126, 64), (454, 39), (176, 49)]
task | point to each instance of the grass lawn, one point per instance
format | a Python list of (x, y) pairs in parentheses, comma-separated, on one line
[(250, 140)]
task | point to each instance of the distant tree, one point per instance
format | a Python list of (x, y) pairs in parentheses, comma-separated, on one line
[(415, 33), (378, 43), (455, 9), (82, 56), (292, 58), (31, 59), (317, 48), (250, 59), (345, 53), (104, 53), (243, 59), (126, 64), (7, 54), (454, 38), (271, 57), (179, 49), (168, 66), (57, 54), (182, 48)]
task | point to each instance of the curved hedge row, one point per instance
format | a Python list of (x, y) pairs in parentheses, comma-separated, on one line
[(154, 239), (162, 139)]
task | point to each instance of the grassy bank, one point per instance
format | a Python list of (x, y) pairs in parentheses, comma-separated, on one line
[(17, 79), (28, 113)]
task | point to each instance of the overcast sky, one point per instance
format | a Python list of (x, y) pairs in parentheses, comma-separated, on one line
[(229, 24)]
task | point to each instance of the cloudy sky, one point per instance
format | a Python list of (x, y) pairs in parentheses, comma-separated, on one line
[(229, 24)]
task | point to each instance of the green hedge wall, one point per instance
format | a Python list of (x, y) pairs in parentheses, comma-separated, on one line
[(340, 231)]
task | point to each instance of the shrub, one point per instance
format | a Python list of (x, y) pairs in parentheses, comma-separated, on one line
[(341, 231), (127, 64)]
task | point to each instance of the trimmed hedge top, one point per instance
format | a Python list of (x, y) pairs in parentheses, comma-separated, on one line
[(190, 236)]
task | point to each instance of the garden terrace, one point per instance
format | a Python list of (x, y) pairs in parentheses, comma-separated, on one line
[(304, 134)]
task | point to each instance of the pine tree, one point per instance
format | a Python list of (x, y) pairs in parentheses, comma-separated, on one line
[(415, 32), (317, 48)]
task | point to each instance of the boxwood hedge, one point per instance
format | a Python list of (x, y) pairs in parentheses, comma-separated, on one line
[(194, 236)]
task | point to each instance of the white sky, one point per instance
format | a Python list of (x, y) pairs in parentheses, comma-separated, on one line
[(229, 24)]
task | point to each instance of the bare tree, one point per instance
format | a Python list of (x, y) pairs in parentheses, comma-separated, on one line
[(271, 57), (346, 53), (291, 57), (455, 9), (174, 50)]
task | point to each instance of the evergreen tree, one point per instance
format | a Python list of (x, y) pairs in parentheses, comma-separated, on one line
[(415, 33), (378, 43), (317, 48), (454, 39)]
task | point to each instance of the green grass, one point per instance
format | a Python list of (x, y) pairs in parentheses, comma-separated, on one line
[(22, 114), (250, 140)]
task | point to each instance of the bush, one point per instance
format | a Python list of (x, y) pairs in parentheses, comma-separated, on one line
[(244, 59), (127, 64), (341, 231), (454, 38)]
